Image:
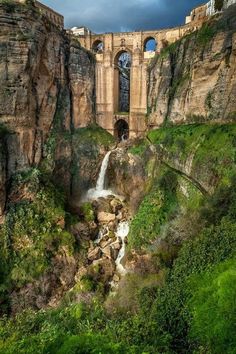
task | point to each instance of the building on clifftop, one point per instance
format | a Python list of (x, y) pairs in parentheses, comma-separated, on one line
[(56, 18)]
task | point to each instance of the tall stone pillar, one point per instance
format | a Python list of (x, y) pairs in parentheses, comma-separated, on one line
[(138, 94), (104, 89)]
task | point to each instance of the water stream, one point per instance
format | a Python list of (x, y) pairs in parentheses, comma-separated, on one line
[(122, 232), (99, 190)]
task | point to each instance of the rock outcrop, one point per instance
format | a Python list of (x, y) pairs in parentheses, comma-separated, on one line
[(194, 79), (46, 92), (130, 174)]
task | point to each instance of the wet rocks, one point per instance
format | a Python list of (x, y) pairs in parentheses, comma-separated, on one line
[(94, 254), (85, 230), (104, 251), (106, 217)]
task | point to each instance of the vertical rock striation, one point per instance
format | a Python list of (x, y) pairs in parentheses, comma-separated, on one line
[(194, 79), (46, 90)]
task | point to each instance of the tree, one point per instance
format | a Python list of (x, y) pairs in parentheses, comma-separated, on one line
[(219, 5), (213, 308)]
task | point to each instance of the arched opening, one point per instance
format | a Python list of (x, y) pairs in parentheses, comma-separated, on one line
[(122, 82), (121, 130), (97, 46), (150, 45)]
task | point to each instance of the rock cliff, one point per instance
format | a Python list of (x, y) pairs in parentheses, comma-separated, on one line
[(194, 79), (46, 93)]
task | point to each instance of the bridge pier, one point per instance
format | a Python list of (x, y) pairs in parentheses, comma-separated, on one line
[(108, 47)]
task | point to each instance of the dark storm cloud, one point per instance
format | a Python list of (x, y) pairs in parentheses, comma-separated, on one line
[(122, 15)]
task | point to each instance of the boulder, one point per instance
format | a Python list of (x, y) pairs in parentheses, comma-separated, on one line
[(81, 273), (117, 244), (94, 254), (116, 205), (108, 252), (116, 278), (104, 243), (106, 269), (106, 217), (85, 231), (102, 205)]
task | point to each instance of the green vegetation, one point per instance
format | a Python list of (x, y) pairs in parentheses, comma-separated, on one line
[(94, 134), (159, 205), (178, 83), (181, 297), (215, 290), (219, 5), (33, 232), (139, 148), (191, 309), (3, 131), (9, 5), (212, 146), (88, 212), (205, 34), (208, 101), (58, 331), (170, 49)]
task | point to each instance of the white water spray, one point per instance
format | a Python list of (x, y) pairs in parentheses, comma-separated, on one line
[(99, 190), (122, 232)]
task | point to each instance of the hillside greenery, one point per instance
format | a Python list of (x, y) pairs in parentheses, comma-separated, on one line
[(33, 232), (180, 299)]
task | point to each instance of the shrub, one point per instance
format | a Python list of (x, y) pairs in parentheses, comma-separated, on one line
[(205, 34), (170, 313), (9, 5), (160, 205), (88, 212), (33, 233), (213, 308), (219, 5)]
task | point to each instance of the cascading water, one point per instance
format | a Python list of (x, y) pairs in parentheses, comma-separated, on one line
[(99, 190), (101, 178), (122, 232)]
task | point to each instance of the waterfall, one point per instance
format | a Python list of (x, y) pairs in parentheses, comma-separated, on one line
[(122, 232), (99, 190), (101, 178)]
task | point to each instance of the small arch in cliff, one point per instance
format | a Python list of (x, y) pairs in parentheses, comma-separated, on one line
[(98, 46), (121, 130), (150, 44)]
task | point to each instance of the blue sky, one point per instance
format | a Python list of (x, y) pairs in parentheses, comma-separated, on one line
[(123, 15)]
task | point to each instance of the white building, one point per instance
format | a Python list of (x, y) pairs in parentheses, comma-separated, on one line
[(211, 6), (81, 31), (228, 3)]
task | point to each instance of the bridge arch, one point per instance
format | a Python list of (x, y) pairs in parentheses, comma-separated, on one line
[(121, 90), (150, 44), (120, 52), (98, 46), (121, 130)]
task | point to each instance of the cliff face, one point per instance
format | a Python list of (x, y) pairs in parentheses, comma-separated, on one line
[(195, 78), (46, 89)]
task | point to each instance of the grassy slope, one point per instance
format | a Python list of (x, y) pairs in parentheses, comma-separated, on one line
[(170, 318), (214, 149)]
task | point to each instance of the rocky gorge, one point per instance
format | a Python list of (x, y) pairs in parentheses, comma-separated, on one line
[(107, 246)]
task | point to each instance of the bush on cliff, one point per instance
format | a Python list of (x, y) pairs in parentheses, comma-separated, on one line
[(33, 232), (213, 308), (159, 205)]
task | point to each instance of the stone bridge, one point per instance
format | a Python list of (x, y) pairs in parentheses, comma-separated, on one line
[(108, 47)]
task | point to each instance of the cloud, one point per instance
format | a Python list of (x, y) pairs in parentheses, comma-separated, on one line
[(117, 15)]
